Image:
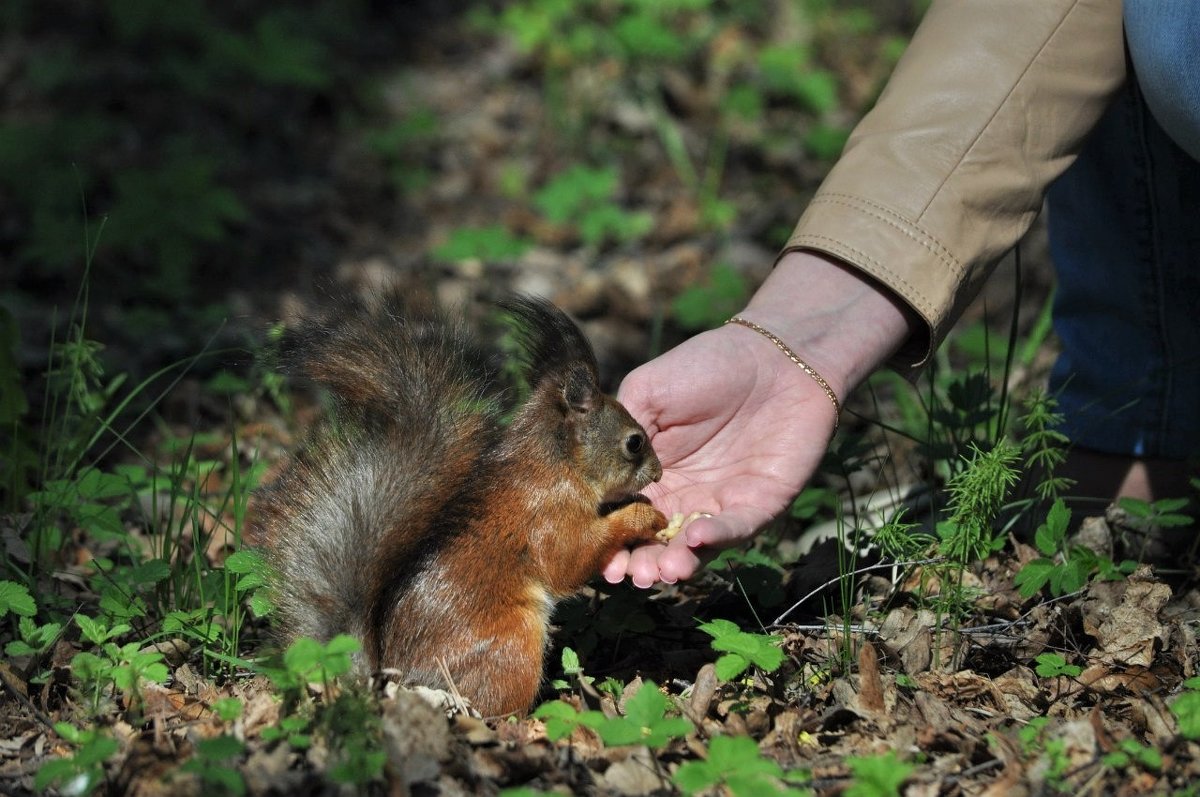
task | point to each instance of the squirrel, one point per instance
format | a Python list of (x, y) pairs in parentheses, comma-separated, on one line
[(416, 520)]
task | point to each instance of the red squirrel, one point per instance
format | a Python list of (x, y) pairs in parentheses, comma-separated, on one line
[(416, 520)]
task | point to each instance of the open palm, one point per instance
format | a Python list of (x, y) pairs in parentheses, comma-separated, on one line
[(739, 430)]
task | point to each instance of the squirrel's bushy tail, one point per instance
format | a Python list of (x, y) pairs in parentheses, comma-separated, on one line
[(414, 408)]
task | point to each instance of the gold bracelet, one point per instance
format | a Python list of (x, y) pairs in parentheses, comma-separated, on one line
[(791, 355)]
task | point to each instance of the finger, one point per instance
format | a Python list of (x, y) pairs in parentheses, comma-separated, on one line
[(614, 571), (678, 562), (731, 527), (643, 565)]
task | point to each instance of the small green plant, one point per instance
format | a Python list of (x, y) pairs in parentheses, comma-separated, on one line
[(1036, 739), (1186, 708), (736, 763), (710, 303), (85, 769), (1130, 752), (572, 669), (15, 599), (34, 640), (1161, 514), (308, 661), (877, 776), (585, 198), (742, 649), (293, 729), (251, 575), (976, 495), (1063, 568), (348, 721), (491, 244), (112, 666), (1043, 446), (402, 146), (900, 540), (645, 720), (213, 763), (1054, 665)]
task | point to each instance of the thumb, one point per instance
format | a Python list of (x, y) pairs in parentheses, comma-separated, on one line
[(731, 527)]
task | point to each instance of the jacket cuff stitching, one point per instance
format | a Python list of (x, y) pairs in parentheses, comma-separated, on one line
[(923, 239), (835, 246)]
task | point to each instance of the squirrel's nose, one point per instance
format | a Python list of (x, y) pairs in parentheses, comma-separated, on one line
[(652, 468)]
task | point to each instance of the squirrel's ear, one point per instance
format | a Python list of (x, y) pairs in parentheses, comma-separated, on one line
[(579, 389)]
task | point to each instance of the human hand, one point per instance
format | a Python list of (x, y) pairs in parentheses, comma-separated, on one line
[(738, 427)]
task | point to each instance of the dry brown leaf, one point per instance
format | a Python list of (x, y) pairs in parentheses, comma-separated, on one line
[(703, 691), (1020, 691), (417, 738), (634, 771), (870, 685), (1011, 782), (1103, 678), (1123, 618), (1079, 748)]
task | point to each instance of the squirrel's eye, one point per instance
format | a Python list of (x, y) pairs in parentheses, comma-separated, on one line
[(634, 444)]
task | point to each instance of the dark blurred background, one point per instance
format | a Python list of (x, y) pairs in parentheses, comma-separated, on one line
[(179, 176)]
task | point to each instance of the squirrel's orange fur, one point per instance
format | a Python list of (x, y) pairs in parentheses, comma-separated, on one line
[(418, 522)]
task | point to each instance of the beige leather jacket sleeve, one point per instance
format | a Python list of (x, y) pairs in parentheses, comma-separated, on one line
[(989, 104)]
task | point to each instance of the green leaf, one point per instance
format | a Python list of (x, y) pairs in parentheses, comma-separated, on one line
[(570, 662), (568, 194), (693, 776), (555, 709), (93, 630), (730, 666), (227, 383), (647, 705), (642, 36), (56, 770), (1049, 535), (817, 90), (245, 561), (152, 571), (825, 142), (709, 304), (720, 628), (1052, 665), (261, 604), (15, 598), (1033, 576), (94, 485), (877, 776), (1166, 505), (228, 708), (1186, 709), (740, 754), (491, 244), (1135, 506), (618, 732), (68, 732), (735, 761), (220, 748), (666, 729), (302, 655)]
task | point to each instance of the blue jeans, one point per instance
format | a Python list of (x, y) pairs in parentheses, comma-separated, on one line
[(1124, 223)]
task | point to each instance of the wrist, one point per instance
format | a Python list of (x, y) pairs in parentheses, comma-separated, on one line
[(840, 322)]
